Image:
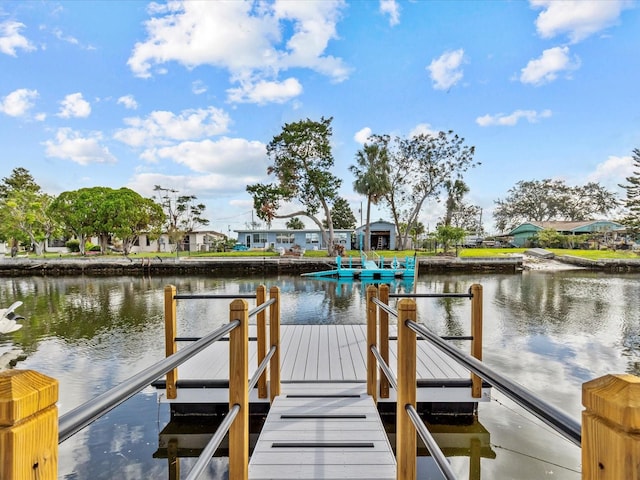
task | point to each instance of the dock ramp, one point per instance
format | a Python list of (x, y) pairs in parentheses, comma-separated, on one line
[(323, 431)]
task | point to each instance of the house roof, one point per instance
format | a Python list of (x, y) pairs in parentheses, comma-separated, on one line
[(563, 226)]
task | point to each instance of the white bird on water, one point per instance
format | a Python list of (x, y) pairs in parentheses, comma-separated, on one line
[(8, 319)]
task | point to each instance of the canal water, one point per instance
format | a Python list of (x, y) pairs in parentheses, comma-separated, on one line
[(549, 331)]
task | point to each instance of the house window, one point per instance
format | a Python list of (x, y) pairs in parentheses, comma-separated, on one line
[(56, 242), (285, 238), (312, 238), (341, 238), (259, 238)]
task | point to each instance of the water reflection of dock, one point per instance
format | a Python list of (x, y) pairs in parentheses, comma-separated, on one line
[(187, 437)]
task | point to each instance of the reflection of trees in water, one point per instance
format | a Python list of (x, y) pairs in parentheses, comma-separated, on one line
[(82, 308), (560, 302)]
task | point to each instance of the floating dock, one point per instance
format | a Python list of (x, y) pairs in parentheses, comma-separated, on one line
[(369, 269), (325, 354)]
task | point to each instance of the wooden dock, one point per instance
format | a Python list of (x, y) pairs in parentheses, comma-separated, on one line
[(321, 354), (323, 431)]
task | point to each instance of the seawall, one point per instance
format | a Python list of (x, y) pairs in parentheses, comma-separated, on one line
[(109, 266)]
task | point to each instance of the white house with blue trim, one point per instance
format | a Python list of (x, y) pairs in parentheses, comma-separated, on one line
[(286, 239)]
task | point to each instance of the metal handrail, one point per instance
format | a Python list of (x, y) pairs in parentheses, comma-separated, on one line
[(431, 444), (430, 295), (214, 443), (83, 415), (209, 296), (385, 307), (552, 416), (261, 307), (262, 367), (385, 367)]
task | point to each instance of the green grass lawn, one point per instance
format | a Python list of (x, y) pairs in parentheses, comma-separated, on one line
[(387, 254), (590, 254)]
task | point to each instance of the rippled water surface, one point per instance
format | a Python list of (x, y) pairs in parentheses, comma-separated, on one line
[(550, 331)]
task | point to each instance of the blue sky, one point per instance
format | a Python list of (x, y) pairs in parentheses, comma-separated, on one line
[(187, 95)]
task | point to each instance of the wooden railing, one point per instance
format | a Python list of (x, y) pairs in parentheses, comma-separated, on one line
[(378, 305), (610, 422), (240, 384), (30, 429)]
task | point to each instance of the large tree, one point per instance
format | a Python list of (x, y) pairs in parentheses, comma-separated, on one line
[(182, 214), (552, 200), (632, 202), (342, 214), (125, 214), (77, 212), (420, 166), (302, 163), (456, 190), (372, 176), (23, 211)]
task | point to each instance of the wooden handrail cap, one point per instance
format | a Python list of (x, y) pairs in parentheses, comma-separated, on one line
[(24, 393), (616, 398)]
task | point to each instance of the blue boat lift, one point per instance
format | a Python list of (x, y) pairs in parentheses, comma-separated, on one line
[(369, 269)]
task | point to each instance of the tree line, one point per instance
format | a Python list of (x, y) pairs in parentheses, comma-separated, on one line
[(406, 175), (403, 175), (29, 216)]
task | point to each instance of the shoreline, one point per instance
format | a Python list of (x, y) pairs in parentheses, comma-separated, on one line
[(118, 265)]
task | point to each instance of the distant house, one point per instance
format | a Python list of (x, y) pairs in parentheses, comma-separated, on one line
[(383, 236), (526, 231), (197, 241), (286, 239)]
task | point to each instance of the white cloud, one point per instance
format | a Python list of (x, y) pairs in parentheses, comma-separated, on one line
[(200, 33), (74, 106), (422, 129), (578, 19), (128, 101), (18, 102), (512, 119), (11, 39), (445, 70), (546, 68), (226, 155), (391, 8), (613, 171), (264, 92), (198, 87), (163, 128), (362, 135), (83, 150), (200, 185)]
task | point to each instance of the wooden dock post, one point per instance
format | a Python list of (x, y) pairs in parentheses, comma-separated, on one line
[(406, 437), (238, 391), (274, 336), (383, 338), (261, 326), (372, 325), (476, 333), (170, 333), (611, 428), (28, 426)]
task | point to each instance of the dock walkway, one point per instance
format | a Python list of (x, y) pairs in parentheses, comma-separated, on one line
[(323, 431), (322, 353)]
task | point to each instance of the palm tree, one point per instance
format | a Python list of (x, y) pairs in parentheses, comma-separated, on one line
[(456, 189), (372, 177)]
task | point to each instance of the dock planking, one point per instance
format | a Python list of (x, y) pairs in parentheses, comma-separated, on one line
[(323, 353), (323, 431)]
